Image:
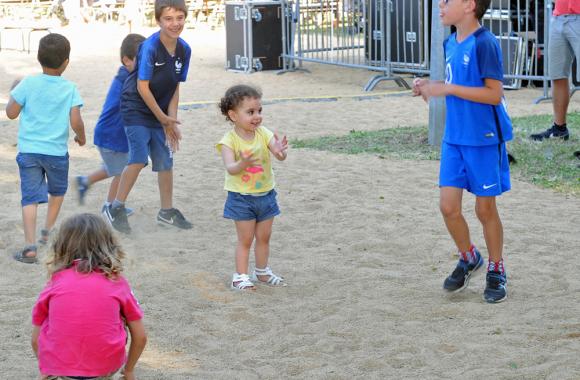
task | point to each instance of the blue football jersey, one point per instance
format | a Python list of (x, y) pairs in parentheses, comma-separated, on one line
[(469, 63), (163, 71)]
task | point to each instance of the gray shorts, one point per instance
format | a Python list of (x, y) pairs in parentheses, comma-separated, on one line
[(113, 162), (564, 45)]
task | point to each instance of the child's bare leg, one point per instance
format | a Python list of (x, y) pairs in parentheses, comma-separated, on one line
[(113, 188), (29, 221), (127, 181), (262, 248), (245, 230), (486, 211), (97, 176), (54, 204), (450, 205), (165, 181)]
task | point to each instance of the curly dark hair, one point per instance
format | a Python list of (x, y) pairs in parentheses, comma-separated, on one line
[(234, 97)]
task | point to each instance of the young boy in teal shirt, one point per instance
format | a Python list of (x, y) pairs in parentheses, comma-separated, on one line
[(47, 104)]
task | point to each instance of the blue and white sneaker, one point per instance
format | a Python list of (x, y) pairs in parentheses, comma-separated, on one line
[(128, 210), (459, 279), (495, 288), (82, 188)]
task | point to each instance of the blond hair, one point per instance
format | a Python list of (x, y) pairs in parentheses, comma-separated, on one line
[(88, 240)]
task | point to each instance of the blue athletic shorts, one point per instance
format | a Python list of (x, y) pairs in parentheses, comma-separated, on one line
[(481, 170), (147, 142), (250, 207), (113, 162), (40, 175)]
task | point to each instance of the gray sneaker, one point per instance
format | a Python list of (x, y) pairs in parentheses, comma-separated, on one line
[(117, 218), (173, 217)]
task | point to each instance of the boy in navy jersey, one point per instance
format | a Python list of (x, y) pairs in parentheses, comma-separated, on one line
[(473, 152), (110, 137), (149, 102)]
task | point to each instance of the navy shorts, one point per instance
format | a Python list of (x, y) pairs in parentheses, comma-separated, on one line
[(113, 162), (481, 170), (250, 207), (147, 142), (40, 175)]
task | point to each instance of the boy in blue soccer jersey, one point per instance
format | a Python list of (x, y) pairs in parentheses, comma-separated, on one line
[(149, 102), (47, 104), (110, 137), (473, 151)]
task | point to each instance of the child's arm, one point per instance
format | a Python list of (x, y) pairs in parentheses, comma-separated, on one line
[(13, 109), (138, 342), (34, 339), (234, 167), (172, 132), (149, 99), (490, 93), (77, 125), (279, 148)]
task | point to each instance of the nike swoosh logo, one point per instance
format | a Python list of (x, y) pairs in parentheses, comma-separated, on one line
[(159, 64), (485, 187), (169, 221)]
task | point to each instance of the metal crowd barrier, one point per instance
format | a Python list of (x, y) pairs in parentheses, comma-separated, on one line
[(393, 37), (365, 34)]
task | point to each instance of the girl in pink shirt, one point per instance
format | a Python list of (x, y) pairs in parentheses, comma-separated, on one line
[(80, 317)]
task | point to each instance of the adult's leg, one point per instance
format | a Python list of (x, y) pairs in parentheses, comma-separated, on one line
[(450, 206), (560, 99)]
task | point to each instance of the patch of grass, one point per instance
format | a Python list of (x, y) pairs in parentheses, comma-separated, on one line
[(399, 143), (550, 164)]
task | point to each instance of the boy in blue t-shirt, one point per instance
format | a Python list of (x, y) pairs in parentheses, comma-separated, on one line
[(149, 102), (110, 137), (47, 104), (473, 152)]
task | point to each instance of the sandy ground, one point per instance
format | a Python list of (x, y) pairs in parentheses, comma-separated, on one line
[(360, 240)]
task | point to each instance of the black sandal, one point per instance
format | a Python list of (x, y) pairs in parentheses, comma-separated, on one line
[(23, 258)]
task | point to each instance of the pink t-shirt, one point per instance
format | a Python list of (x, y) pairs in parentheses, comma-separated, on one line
[(82, 332), (567, 7)]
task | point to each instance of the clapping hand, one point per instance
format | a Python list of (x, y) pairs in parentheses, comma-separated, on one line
[(247, 160), (172, 132), (280, 147)]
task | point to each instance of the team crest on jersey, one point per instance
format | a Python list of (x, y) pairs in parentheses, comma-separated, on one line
[(178, 66), (466, 59)]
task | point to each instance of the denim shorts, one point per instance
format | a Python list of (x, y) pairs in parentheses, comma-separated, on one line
[(250, 207), (147, 142), (113, 162), (40, 175)]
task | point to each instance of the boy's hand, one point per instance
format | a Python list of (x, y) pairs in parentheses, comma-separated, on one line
[(430, 89), (172, 136), (80, 140), (280, 147), (417, 83), (247, 160)]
